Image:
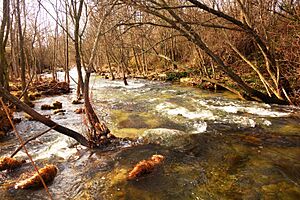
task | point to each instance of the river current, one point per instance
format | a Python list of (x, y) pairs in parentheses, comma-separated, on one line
[(216, 146)]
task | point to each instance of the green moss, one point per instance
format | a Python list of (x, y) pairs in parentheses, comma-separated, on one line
[(175, 76)]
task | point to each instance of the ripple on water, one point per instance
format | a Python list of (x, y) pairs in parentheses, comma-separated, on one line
[(263, 110), (173, 110), (233, 157)]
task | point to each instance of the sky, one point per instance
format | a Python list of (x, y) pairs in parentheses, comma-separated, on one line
[(32, 9)]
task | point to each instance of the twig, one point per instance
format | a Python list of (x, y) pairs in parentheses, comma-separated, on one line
[(30, 139), (25, 149)]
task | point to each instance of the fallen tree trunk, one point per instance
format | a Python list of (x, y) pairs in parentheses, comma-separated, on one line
[(37, 116)]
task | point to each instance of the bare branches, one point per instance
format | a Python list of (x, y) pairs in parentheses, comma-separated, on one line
[(178, 22), (55, 19), (30, 139)]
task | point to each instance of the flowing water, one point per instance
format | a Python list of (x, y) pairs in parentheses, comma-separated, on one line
[(216, 146)]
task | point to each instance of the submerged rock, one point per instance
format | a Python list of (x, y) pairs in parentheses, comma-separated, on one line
[(167, 137), (133, 121)]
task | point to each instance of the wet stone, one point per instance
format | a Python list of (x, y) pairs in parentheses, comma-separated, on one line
[(57, 105), (61, 111), (46, 107), (167, 137), (79, 110), (77, 101)]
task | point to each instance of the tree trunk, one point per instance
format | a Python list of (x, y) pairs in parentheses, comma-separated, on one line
[(67, 76), (3, 41), (22, 54), (97, 128), (109, 65), (77, 16)]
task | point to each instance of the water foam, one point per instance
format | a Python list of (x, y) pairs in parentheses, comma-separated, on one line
[(231, 107), (200, 127), (173, 110)]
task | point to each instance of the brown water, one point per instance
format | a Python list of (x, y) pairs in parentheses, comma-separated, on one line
[(216, 146)]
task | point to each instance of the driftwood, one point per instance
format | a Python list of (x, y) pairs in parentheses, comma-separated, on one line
[(37, 116)]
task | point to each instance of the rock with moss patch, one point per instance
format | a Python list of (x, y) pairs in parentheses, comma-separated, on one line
[(57, 105)]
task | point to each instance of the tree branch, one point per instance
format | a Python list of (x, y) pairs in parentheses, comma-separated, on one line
[(48, 122), (30, 139)]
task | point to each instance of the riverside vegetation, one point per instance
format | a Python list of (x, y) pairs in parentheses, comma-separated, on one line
[(87, 64)]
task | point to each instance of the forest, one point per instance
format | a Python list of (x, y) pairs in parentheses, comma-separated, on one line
[(155, 99)]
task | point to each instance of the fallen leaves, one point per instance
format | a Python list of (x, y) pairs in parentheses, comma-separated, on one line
[(47, 173), (145, 167)]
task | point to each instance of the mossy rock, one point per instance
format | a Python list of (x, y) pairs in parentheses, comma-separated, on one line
[(57, 105), (59, 111), (46, 107), (175, 76)]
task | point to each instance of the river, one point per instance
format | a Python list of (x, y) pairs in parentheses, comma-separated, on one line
[(216, 146)]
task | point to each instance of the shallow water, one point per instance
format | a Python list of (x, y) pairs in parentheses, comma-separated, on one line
[(216, 146)]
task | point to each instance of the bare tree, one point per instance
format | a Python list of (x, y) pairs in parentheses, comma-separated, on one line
[(4, 32), (76, 13), (22, 53), (169, 14)]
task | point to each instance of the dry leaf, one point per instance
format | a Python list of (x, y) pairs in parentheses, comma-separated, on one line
[(47, 173), (10, 163), (145, 167)]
